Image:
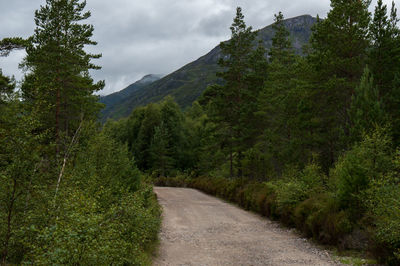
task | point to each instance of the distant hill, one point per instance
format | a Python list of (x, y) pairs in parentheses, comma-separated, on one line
[(187, 83), (115, 107)]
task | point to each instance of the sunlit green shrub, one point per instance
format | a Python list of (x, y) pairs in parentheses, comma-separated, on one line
[(384, 207), (366, 161)]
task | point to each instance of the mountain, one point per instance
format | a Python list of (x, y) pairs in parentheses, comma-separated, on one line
[(114, 102), (187, 83)]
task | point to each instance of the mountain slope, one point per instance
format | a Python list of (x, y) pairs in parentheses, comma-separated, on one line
[(115, 102), (187, 83)]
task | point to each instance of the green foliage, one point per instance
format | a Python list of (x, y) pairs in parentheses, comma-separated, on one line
[(88, 231), (103, 211), (366, 111), (384, 209), (232, 105), (7, 87), (338, 55), (9, 44), (160, 151), (365, 162), (57, 86), (86, 204)]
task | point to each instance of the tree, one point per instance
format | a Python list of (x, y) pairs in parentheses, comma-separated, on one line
[(141, 147), (384, 58), (58, 85), (339, 46), (9, 44), (233, 104), (384, 54), (7, 86), (282, 49), (18, 159), (162, 161), (366, 111), (279, 100)]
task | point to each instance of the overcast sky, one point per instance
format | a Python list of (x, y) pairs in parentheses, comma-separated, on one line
[(139, 37)]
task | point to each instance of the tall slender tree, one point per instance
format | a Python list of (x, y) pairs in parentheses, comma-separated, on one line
[(233, 104), (366, 110), (58, 85), (384, 59), (384, 55), (339, 48)]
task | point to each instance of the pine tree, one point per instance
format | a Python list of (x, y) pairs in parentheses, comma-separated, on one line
[(277, 103), (58, 85), (141, 146), (162, 161), (233, 104), (384, 59), (366, 110), (384, 56), (9, 44), (338, 55), (282, 49), (7, 86)]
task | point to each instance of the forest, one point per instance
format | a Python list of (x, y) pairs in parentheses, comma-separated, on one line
[(70, 194), (311, 140)]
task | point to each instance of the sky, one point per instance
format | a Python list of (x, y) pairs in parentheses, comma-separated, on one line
[(140, 37)]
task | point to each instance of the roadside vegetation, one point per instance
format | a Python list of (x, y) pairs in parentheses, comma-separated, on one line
[(69, 193), (310, 140)]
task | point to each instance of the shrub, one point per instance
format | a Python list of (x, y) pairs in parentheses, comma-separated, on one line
[(354, 171), (384, 209)]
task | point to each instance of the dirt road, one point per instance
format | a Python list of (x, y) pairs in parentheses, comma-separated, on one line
[(202, 230)]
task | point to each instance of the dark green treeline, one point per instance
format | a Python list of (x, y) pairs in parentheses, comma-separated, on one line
[(328, 119), (69, 193)]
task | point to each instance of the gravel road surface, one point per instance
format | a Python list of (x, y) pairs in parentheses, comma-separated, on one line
[(199, 229)]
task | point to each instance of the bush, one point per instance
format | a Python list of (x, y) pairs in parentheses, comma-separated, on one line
[(384, 210), (85, 232), (354, 171), (103, 212)]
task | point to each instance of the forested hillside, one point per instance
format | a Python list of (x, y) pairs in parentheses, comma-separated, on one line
[(69, 193), (310, 140), (188, 83), (114, 103)]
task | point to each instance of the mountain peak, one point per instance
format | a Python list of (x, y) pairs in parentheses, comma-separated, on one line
[(187, 83), (149, 78)]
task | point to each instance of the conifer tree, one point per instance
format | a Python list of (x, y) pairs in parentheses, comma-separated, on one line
[(282, 49), (366, 111), (384, 56), (233, 104), (58, 85), (276, 102), (339, 46), (9, 44), (141, 147), (6, 87), (162, 161)]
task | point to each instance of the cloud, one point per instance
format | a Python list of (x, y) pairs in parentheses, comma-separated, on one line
[(152, 36)]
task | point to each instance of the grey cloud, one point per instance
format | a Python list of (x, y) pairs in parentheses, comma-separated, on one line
[(152, 36)]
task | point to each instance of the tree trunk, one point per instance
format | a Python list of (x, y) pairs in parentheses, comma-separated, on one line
[(9, 218), (58, 100), (231, 161), (240, 170)]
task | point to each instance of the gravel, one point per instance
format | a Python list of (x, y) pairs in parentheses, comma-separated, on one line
[(198, 229)]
